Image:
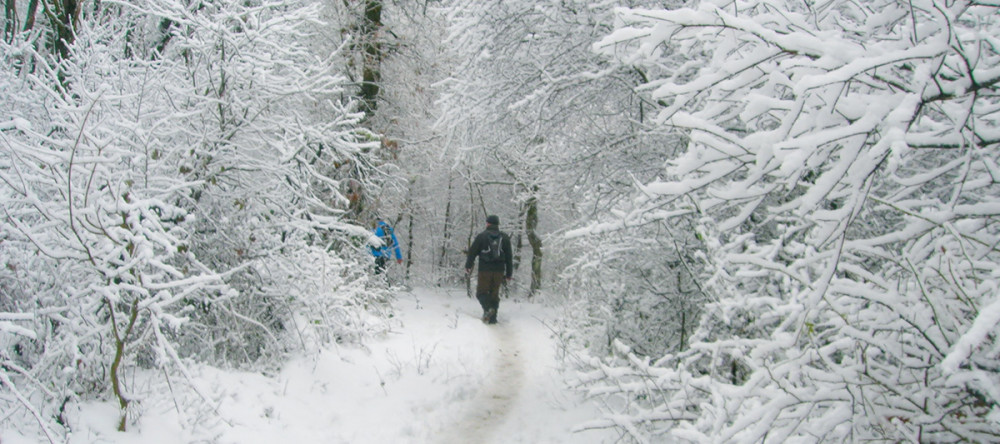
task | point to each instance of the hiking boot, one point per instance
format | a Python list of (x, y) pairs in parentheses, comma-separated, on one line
[(491, 316)]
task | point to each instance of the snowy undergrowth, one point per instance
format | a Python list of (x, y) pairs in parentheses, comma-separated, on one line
[(437, 375)]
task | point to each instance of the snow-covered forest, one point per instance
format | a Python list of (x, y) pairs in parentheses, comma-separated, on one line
[(760, 220)]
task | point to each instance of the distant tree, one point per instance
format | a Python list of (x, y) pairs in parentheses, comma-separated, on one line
[(842, 170), (414, 157)]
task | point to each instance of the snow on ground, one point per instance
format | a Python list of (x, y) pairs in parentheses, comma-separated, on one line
[(441, 376)]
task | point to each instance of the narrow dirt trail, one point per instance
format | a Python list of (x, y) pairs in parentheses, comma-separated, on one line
[(497, 396)]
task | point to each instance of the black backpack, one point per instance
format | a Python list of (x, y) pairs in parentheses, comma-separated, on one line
[(493, 252), (386, 237)]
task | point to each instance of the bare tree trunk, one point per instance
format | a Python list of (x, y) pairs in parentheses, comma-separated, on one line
[(472, 232), (409, 244), (120, 341), (29, 18), (10, 20), (519, 238), (447, 224), (64, 16), (530, 225), (371, 73), (474, 216), (683, 345)]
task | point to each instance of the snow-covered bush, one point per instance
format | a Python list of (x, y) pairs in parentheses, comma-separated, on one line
[(842, 168), (170, 191), (637, 284)]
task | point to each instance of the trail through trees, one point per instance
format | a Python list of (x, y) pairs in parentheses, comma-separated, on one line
[(496, 396), (503, 382)]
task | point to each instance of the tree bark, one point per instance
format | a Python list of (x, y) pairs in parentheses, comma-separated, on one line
[(10, 20), (63, 18), (518, 240), (29, 18), (530, 227), (120, 341), (446, 233), (409, 245), (371, 73)]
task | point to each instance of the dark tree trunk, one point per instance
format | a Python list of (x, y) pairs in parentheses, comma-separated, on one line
[(64, 16), (446, 232), (530, 227), (371, 74), (518, 239), (29, 18), (10, 20), (120, 342), (409, 244)]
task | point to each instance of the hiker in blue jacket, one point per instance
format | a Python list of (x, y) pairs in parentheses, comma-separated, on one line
[(496, 265), (389, 243)]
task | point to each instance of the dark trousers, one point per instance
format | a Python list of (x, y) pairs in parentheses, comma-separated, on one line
[(380, 263), (488, 289)]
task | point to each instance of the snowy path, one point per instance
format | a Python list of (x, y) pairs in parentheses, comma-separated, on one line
[(508, 390), (495, 398), (440, 377)]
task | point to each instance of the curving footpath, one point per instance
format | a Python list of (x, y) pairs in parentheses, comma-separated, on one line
[(498, 395)]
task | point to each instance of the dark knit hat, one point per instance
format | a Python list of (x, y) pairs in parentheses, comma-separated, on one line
[(492, 220)]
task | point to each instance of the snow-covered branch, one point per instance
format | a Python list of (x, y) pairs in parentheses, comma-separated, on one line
[(841, 162)]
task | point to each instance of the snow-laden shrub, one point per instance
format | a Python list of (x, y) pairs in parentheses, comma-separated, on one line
[(842, 168), (637, 285), (170, 192)]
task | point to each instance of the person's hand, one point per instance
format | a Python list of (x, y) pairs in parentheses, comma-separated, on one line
[(509, 278), (468, 271), (399, 261)]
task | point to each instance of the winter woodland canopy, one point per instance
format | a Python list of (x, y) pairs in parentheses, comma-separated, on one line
[(769, 221)]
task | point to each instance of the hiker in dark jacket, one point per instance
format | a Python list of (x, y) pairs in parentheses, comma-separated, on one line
[(494, 266)]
